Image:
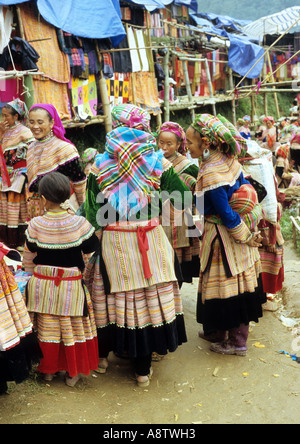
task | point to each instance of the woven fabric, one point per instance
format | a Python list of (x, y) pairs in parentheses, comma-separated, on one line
[(131, 116), (45, 293), (214, 284), (219, 170), (129, 170), (123, 259), (56, 230), (14, 319), (48, 155), (154, 305)]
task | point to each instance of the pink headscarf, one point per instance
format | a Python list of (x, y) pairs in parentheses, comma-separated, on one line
[(58, 128), (175, 128)]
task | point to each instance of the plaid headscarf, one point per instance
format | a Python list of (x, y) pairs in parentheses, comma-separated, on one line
[(176, 129), (235, 134), (129, 170), (131, 116), (212, 130), (20, 108)]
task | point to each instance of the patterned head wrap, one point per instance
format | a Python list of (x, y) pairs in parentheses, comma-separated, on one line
[(175, 128), (212, 130), (269, 119), (89, 155), (235, 134), (131, 116), (283, 151), (129, 170), (247, 118), (20, 107)]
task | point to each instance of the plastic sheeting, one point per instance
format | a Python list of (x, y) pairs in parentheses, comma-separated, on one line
[(273, 24), (97, 21), (242, 53)]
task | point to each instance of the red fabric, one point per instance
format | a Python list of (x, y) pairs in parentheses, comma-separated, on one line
[(273, 284), (79, 358), (57, 279)]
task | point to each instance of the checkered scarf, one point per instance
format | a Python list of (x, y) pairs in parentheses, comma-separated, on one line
[(214, 131), (129, 170), (176, 129), (131, 116)]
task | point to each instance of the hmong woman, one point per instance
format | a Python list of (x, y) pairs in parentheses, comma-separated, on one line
[(172, 142), (269, 138), (51, 151), (18, 344), (230, 287), (57, 299), (132, 279), (15, 138)]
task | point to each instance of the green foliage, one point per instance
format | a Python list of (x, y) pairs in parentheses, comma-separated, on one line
[(243, 9), (286, 225)]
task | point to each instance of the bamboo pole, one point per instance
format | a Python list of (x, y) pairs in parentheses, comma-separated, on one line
[(233, 107), (211, 93), (272, 78), (166, 87), (188, 87), (104, 97)]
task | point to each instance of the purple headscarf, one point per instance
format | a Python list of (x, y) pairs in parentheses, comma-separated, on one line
[(58, 128)]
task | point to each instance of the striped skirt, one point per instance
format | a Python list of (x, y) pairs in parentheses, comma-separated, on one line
[(272, 269), (138, 321), (18, 344), (224, 301), (13, 218)]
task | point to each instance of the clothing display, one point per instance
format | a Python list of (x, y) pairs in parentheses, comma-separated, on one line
[(84, 96), (52, 87), (118, 87)]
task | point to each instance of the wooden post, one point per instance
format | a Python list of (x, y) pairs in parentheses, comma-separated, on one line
[(273, 80), (167, 87), (231, 87), (188, 87), (211, 93), (104, 97)]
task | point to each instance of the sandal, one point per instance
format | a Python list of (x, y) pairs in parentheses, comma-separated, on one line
[(71, 382), (48, 377), (102, 366), (156, 357), (224, 348), (144, 381)]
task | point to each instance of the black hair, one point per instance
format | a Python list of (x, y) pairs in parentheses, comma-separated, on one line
[(55, 187), (12, 111), (37, 108)]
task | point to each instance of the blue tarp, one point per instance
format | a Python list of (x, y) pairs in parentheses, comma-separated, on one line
[(150, 5), (192, 4), (101, 19), (242, 53)]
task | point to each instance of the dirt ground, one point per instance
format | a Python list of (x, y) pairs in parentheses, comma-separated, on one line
[(190, 386)]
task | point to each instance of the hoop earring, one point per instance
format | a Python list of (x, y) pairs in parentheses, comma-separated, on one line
[(206, 154)]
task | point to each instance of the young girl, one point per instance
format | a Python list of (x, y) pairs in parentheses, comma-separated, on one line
[(57, 299)]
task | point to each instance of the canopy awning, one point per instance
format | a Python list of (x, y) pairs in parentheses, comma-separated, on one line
[(102, 19), (273, 24)]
